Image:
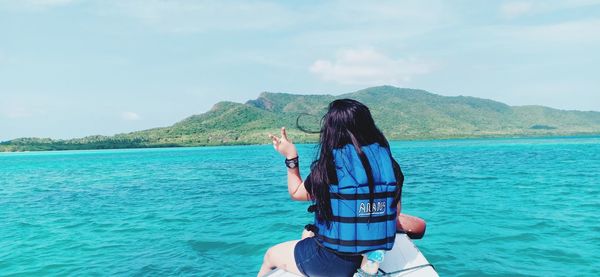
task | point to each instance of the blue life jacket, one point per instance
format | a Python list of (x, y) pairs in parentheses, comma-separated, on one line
[(351, 229)]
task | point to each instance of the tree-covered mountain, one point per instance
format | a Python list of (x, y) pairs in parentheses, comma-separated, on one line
[(401, 114)]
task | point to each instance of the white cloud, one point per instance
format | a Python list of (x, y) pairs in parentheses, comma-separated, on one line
[(49, 2), (515, 9), (17, 113), (369, 67), (130, 116), (178, 16), (581, 30), (569, 32), (13, 108), (34, 5)]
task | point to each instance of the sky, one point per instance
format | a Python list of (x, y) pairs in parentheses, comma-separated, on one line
[(71, 68)]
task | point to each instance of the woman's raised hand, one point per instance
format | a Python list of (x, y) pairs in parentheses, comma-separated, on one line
[(283, 145)]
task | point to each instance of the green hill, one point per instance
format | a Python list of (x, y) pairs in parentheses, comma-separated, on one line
[(401, 113)]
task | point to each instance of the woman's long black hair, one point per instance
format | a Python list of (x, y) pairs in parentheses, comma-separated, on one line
[(346, 122)]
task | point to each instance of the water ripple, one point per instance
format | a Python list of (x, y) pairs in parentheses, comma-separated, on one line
[(513, 207)]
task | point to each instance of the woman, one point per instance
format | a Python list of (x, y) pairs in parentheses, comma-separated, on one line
[(355, 186)]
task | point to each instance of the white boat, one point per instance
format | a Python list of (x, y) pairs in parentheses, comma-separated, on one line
[(404, 259)]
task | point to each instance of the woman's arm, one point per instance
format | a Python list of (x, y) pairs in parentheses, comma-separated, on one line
[(286, 148), (296, 186)]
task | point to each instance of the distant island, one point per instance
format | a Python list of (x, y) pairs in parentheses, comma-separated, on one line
[(401, 113)]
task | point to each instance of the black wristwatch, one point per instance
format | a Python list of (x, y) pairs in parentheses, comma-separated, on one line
[(291, 163)]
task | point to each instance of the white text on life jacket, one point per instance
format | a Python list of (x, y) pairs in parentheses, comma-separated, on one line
[(365, 208)]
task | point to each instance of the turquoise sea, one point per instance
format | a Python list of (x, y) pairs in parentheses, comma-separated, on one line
[(494, 207)]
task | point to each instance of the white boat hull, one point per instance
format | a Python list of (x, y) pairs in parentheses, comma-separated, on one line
[(404, 259)]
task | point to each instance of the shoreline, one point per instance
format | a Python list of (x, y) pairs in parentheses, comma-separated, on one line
[(423, 139)]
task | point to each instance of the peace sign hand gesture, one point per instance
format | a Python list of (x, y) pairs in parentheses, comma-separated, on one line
[(283, 145)]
